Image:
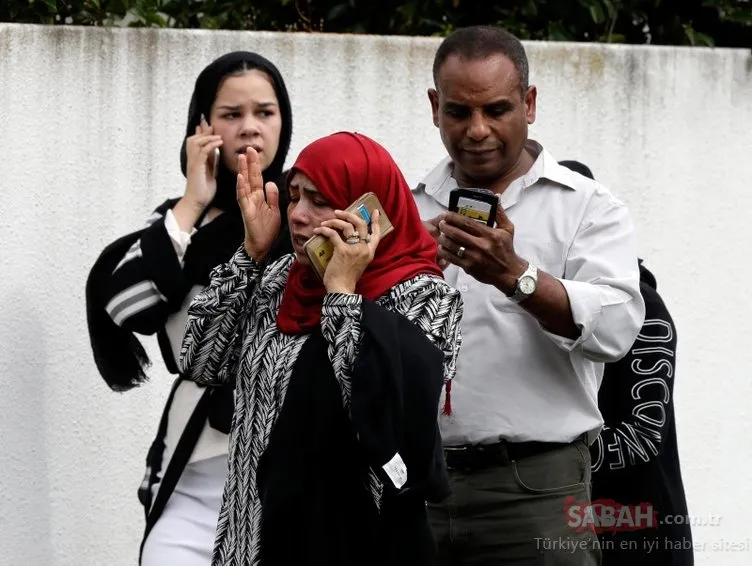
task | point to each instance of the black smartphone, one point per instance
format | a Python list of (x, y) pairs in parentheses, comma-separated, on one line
[(477, 204)]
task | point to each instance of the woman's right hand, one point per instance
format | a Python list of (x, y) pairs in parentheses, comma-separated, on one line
[(201, 186), (261, 216)]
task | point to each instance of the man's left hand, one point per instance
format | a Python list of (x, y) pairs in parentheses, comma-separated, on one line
[(432, 225), (487, 254)]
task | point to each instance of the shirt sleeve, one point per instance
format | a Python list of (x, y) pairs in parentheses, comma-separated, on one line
[(602, 281), (429, 302), (181, 240), (147, 283), (213, 333), (341, 315)]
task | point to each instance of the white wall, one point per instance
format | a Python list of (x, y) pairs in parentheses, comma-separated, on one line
[(92, 121)]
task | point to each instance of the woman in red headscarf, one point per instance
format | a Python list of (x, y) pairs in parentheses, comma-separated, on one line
[(334, 446)]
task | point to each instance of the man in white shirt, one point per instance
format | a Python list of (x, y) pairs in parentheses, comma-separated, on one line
[(550, 293)]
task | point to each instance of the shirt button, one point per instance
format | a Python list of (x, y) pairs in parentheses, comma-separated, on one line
[(464, 288)]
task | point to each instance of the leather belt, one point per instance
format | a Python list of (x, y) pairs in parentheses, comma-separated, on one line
[(476, 456)]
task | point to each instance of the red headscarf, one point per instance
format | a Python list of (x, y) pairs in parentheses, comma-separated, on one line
[(344, 166)]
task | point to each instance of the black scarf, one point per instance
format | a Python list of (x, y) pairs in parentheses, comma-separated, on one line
[(119, 356)]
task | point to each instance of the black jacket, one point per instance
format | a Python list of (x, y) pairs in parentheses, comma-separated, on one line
[(636, 458), (316, 507)]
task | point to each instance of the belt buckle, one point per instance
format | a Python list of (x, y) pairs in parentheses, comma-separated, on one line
[(473, 457)]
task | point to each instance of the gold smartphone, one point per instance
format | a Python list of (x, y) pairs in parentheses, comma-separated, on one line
[(320, 249)]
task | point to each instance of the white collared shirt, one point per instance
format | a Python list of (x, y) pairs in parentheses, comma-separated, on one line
[(514, 379)]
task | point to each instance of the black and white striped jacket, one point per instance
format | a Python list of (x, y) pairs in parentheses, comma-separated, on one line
[(231, 333)]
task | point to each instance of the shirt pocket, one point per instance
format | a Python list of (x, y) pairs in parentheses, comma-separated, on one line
[(546, 255)]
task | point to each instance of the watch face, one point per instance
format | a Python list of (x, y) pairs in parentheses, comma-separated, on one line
[(527, 285)]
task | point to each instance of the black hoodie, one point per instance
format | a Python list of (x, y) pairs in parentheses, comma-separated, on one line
[(636, 459)]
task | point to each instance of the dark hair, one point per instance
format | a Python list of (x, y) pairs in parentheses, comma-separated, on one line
[(480, 42), (578, 167)]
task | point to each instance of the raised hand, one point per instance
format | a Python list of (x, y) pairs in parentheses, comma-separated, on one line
[(353, 253), (261, 215)]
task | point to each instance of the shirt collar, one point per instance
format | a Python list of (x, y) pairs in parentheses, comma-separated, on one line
[(439, 181)]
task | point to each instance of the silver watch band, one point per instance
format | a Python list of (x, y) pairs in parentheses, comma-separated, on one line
[(519, 295)]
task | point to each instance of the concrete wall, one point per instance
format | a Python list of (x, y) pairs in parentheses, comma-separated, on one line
[(92, 121)]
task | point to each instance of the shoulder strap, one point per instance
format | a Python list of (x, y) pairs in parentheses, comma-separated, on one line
[(178, 461)]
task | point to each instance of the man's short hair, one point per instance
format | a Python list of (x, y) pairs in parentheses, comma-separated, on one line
[(480, 42)]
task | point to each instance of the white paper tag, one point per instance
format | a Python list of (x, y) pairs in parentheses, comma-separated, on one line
[(396, 470)]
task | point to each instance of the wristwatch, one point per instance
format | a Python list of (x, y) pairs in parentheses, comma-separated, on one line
[(526, 284)]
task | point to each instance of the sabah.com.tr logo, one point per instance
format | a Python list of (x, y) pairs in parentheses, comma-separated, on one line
[(609, 516), (606, 515)]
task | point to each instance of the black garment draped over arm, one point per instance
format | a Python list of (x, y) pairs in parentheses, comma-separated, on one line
[(636, 457), (316, 507), (142, 271)]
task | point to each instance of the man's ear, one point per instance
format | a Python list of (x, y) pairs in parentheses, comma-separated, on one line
[(531, 100), (433, 97)]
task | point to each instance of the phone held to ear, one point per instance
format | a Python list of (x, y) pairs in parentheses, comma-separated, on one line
[(477, 204), (215, 163), (320, 249)]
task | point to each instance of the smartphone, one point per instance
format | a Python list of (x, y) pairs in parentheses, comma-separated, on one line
[(215, 165), (320, 250), (477, 204), (216, 162)]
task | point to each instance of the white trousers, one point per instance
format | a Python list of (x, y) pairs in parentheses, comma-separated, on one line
[(184, 534)]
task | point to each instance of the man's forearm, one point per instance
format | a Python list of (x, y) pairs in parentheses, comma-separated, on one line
[(549, 304)]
